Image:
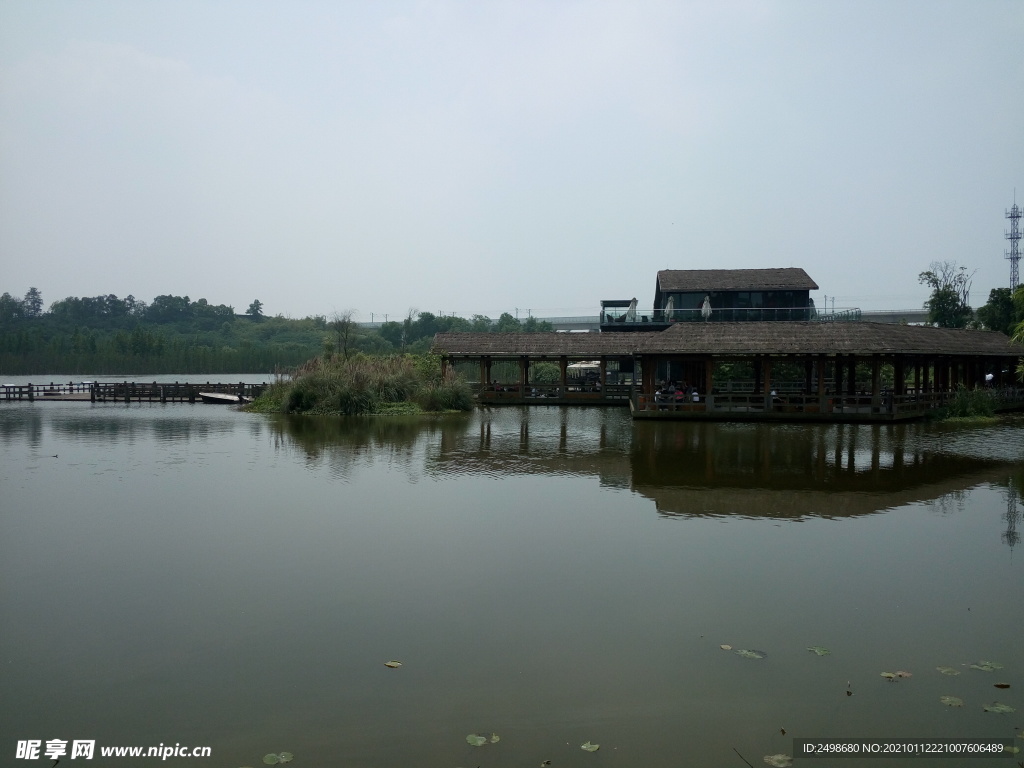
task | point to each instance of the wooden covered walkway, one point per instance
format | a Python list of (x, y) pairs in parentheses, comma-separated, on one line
[(747, 371)]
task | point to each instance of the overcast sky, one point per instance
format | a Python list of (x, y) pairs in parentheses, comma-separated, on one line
[(479, 157)]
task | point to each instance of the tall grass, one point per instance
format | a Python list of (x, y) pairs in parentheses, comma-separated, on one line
[(969, 404), (331, 385)]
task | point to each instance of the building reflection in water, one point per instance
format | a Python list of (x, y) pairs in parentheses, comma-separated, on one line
[(686, 469)]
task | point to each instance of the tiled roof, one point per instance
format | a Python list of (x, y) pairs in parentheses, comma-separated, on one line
[(781, 338), (697, 280)]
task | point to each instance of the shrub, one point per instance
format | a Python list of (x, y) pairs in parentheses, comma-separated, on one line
[(362, 384)]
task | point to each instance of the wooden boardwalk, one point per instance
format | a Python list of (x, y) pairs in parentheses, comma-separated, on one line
[(125, 392)]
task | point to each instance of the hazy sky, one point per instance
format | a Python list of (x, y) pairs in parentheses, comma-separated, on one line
[(479, 157)]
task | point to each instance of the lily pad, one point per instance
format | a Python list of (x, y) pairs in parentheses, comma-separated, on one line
[(902, 673), (888, 675), (779, 761), (271, 759), (749, 654), (588, 747), (285, 757), (951, 701), (393, 664), (948, 671), (987, 666), (475, 740), (819, 650), (495, 738), (1002, 709), (725, 647)]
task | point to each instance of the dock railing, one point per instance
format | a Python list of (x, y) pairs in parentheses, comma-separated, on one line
[(125, 391)]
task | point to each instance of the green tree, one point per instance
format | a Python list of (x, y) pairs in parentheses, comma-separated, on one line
[(255, 310), (949, 304), (508, 324), (10, 308), (998, 313), (33, 303)]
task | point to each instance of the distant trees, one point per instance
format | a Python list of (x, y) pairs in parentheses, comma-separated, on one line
[(255, 310), (30, 306), (949, 304)]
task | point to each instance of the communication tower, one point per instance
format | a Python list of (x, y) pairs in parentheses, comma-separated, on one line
[(1014, 237)]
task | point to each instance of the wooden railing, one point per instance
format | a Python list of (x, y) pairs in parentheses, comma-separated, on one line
[(884, 405), (126, 391)]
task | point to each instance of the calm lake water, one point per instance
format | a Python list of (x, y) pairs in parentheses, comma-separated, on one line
[(196, 575)]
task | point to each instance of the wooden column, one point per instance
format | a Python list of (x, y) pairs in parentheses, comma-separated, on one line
[(766, 373), (563, 364), (822, 399), (837, 378), (808, 372), (876, 383), (851, 380), (709, 383), (524, 375)]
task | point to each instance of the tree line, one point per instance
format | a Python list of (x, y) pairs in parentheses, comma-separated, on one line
[(174, 334)]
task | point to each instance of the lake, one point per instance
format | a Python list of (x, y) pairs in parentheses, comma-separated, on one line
[(199, 576)]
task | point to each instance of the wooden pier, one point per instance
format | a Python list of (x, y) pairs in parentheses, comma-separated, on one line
[(127, 392)]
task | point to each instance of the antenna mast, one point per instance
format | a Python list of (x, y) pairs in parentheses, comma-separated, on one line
[(1014, 237)]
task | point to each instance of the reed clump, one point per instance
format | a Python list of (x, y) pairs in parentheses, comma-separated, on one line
[(970, 404), (332, 385)]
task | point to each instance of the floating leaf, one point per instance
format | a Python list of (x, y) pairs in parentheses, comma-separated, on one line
[(725, 647), (476, 741), (901, 673), (986, 666), (748, 654), (1002, 709), (285, 757), (951, 701), (779, 761), (948, 671), (588, 747), (393, 664), (889, 675), (495, 738), (1011, 750), (1002, 685), (819, 650), (271, 759)]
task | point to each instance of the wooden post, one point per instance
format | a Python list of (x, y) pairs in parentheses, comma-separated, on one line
[(31, 393), (851, 381), (822, 400), (603, 377), (766, 369), (709, 384), (563, 364), (524, 375), (127, 393), (876, 384)]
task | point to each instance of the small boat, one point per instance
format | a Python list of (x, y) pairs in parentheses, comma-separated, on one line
[(219, 398)]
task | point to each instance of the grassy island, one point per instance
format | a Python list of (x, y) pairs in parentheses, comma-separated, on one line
[(333, 385)]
